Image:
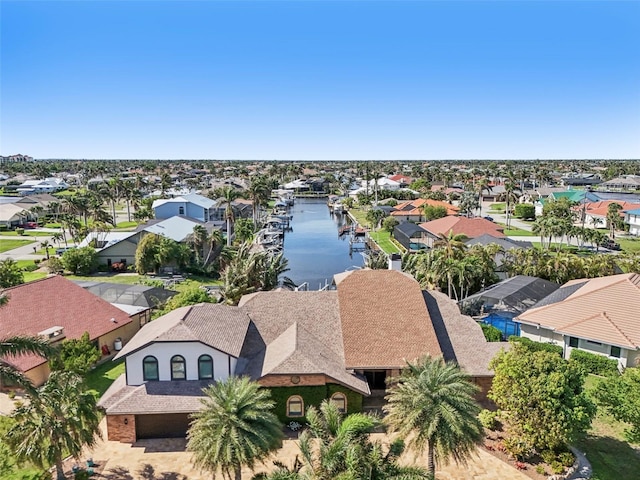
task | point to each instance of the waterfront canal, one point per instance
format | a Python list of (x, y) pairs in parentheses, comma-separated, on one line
[(313, 248)]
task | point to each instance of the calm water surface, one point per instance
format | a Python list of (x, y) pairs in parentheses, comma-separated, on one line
[(313, 248)]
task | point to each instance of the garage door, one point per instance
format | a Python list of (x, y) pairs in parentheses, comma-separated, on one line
[(162, 426)]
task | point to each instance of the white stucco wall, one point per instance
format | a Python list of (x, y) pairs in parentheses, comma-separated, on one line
[(163, 351)]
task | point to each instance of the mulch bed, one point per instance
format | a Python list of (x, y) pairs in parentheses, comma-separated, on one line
[(493, 444)]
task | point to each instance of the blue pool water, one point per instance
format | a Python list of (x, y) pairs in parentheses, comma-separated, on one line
[(504, 322)]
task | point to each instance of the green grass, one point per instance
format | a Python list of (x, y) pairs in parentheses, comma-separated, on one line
[(193, 280), (52, 225), (100, 378), (384, 241), (6, 245), (31, 276), (11, 470), (611, 456), (497, 207), (517, 232), (126, 225), (27, 233), (630, 245)]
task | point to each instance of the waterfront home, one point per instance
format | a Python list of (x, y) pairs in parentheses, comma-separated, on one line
[(192, 206), (632, 218), (595, 213), (469, 227), (623, 183), (47, 185), (413, 210), (597, 315), (413, 237), (57, 309), (120, 247), (306, 346)]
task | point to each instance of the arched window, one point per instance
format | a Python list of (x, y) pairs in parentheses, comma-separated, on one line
[(340, 401), (150, 368), (205, 367), (295, 406), (178, 368)]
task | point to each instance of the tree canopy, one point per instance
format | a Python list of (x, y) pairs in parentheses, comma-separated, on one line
[(541, 397)]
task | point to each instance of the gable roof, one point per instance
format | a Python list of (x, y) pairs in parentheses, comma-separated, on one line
[(414, 207), (601, 309), (177, 228), (220, 326), (384, 319), (471, 227), (601, 208), (55, 301)]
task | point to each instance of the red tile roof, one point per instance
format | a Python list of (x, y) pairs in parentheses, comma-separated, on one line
[(402, 210), (471, 227), (52, 302), (602, 208)]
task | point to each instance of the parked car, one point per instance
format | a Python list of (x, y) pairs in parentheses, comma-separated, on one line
[(28, 225), (488, 218), (61, 250)]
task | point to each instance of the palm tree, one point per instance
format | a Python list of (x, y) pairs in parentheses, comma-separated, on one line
[(510, 196), (235, 428), (432, 404), (259, 192), (482, 184), (229, 194), (60, 419), (614, 219), (339, 447), (46, 245), (15, 346)]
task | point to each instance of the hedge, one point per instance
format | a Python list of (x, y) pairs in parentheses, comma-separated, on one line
[(312, 396), (593, 363), (537, 346)]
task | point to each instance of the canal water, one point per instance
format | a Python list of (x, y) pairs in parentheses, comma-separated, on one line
[(313, 248)]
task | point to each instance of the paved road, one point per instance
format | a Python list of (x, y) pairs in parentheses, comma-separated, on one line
[(26, 252)]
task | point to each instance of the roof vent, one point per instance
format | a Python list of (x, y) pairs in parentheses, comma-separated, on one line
[(52, 334)]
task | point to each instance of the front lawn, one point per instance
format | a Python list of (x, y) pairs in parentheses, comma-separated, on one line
[(629, 245), (517, 232), (6, 245), (497, 207), (124, 226), (611, 456), (100, 378), (26, 233)]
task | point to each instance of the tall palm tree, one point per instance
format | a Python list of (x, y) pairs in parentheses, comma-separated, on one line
[(60, 419), (432, 405), (229, 194), (235, 428), (15, 346), (259, 193)]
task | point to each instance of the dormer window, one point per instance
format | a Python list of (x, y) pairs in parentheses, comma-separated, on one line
[(178, 368)]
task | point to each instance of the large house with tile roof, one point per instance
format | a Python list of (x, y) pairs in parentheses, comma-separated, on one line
[(597, 315), (413, 210), (470, 227), (632, 218), (58, 309), (340, 344)]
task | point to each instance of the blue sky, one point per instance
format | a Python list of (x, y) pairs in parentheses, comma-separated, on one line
[(320, 80)]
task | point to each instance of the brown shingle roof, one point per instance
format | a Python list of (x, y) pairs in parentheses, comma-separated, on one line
[(460, 336), (222, 327), (55, 301), (385, 321), (603, 309), (153, 397), (471, 227)]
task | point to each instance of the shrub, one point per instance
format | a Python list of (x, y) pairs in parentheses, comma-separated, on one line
[(389, 224), (76, 355), (517, 448), (593, 363), (491, 333), (540, 470), (557, 467), (54, 265), (548, 456), (566, 458), (80, 260), (20, 231), (536, 346), (488, 419), (30, 267), (525, 210)]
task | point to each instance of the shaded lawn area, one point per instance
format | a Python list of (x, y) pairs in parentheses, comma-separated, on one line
[(128, 279), (6, 245), (611, 456), (497, 207), (100, 378), (384, 241)]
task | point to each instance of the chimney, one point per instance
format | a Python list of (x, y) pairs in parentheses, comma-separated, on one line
[(395, 262)]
